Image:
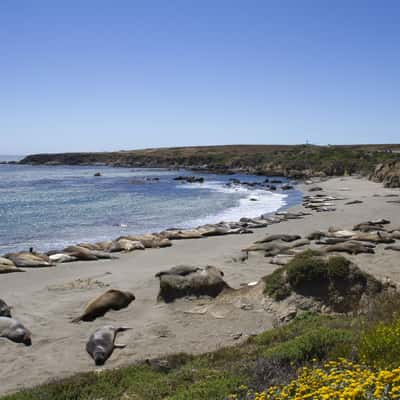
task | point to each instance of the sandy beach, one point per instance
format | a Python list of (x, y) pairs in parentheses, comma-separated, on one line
[(46, 300)]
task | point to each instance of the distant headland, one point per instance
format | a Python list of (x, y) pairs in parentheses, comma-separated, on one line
[(295, 161)]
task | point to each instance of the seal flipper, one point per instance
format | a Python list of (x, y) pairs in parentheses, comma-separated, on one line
[(122, 329), (119, 346)]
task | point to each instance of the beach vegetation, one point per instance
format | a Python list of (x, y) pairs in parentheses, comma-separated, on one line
[(313, 357)]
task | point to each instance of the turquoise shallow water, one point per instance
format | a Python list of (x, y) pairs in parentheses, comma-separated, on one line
[(48, 207)]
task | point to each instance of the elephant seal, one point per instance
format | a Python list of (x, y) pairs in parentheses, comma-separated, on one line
[(13, 330), (181, 270), (349, 248), (113, 299), (101, 343), (283, 237), (393, 247), (5, 310)]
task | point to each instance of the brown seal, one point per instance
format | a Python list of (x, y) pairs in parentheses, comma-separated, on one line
[(113, 299)]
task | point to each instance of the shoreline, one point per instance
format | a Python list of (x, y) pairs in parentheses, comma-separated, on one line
[(45, 300), (252, 191)]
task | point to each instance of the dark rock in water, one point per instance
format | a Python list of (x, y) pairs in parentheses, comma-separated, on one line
[(266, 180), (272, 187), (235, 181), (189, 179), (5, 310), (286, 187), (137, 181), (275, 181), (97, 174), (196, 282)]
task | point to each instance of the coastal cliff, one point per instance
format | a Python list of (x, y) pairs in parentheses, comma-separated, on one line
[(388, 173), (296, 161)]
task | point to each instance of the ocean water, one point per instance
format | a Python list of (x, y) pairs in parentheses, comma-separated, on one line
[(48, 207)]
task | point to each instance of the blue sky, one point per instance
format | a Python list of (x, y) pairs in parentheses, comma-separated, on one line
[(109, 75)]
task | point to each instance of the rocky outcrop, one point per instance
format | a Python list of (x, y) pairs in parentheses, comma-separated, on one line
[(310, 282), (190, 179), (388, 173), (188, 281)]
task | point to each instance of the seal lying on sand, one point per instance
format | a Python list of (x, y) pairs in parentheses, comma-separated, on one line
[(7, 266), (283, 237), (393, 247), (101, 343), (13, 330), (29, 260), (181, 270), (5, 310), (349, 248), (113, 299)]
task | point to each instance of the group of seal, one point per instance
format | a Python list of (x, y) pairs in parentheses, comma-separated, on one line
[(100, 344)]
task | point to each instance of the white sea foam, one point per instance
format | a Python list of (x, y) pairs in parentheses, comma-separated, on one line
[(264, 202)]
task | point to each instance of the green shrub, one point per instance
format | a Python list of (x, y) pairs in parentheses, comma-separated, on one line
[(305, 269), (380, 346), (318, 343), (385, 307), (299, 326), (338, 267), (276, 286)]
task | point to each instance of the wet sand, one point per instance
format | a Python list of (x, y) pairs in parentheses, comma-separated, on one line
[(46, 300)]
